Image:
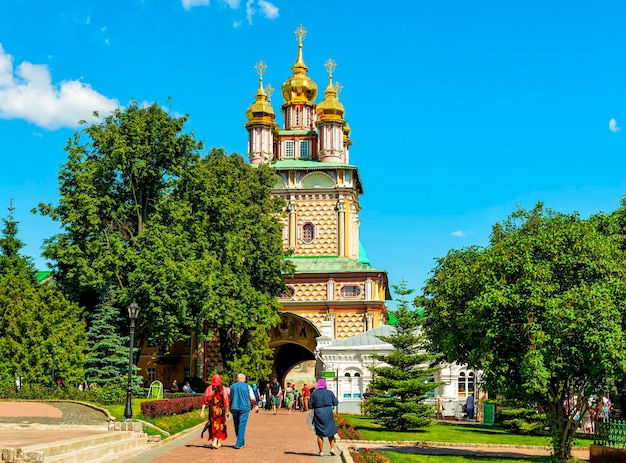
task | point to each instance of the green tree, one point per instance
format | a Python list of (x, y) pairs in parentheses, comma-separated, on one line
[(34, 320), (401, 385), (540, 311), (107, 359), (116, 174)]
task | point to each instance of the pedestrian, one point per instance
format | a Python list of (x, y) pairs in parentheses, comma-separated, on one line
[(289, 396), (439, 414), (241, 399), (174, 386), (469, 406), (322, 402), (275, 392), (187, 388), (306, 395), (257, 398), (218, 401), (267, 400)]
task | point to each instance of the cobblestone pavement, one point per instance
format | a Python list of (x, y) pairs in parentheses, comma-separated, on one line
[(270, 438)]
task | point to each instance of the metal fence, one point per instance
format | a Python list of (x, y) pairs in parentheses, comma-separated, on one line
[(611, 434)]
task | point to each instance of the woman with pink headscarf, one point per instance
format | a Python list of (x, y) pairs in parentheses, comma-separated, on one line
[(216, 397), (322, 402)]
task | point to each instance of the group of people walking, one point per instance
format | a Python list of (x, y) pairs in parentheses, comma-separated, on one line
[(241, 398)]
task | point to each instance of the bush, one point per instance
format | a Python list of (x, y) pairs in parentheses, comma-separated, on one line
[(521, 420), (371, 456), (347, 429), (154, 408), (109, 394)]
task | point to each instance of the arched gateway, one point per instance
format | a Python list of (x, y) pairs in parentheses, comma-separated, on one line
[(293, 341)]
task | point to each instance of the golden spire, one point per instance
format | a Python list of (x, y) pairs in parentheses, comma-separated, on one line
[(330, 108), (261, 111), (269, 89), (299, 88)]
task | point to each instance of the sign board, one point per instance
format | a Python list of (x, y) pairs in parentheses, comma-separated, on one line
[(327, 374), (489, 414)]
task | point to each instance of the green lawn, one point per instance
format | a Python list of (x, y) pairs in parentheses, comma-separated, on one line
[(397, 457), (172, 424), (447, 432)]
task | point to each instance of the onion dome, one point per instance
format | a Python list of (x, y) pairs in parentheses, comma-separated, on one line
[(299, 88), (346, 134), (330, 108), (261, 111)]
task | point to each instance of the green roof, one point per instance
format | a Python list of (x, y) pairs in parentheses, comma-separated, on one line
[(42, 275), (330, 264), (363, 255), (308, 164)]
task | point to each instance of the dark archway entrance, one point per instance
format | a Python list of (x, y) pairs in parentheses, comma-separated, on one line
[(293, 341)]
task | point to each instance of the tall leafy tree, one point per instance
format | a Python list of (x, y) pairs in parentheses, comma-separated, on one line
[(116, 174), (540, 311), (403, 382), (35, 320)]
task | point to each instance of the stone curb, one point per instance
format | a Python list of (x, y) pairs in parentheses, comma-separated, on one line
[(449, 444)]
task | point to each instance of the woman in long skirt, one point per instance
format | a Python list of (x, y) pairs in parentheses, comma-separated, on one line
[(322, 402), (216, 397)]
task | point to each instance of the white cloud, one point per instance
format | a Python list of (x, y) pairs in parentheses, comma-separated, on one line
[(189, 4), (29, 94), (459, 233), (237, 24), (234, 4), (250, 10), (613, 127), (268, 9)]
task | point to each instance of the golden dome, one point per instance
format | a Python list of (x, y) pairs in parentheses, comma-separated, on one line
[(261, 111), (299, 88), (346, 134), (330, 108)]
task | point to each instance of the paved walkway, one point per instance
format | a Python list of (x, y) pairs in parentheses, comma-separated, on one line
[(269, 439)]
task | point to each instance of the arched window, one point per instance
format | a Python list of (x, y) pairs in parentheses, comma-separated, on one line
[(467, 384), (308, 232), (289, 293), (351, 385)]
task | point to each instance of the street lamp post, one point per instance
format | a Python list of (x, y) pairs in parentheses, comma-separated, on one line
[(133, 313), (54, 349)]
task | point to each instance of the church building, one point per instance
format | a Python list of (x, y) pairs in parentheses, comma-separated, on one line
[(335, 291)]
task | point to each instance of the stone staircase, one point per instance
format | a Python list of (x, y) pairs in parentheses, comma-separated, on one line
[(109, 447)]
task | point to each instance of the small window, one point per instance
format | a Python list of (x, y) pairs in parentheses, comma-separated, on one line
[(288, 294), (297, 116), (347, 374), (151, 375), (304, 149), (289, 145), (307, 115), (350, 291), (308, 232)]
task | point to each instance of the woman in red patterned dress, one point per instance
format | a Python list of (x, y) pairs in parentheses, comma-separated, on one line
[(216, 397)]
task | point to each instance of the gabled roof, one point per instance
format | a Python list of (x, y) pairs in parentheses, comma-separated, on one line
[(369, 338)]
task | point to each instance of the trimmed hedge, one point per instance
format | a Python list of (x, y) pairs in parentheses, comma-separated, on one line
[(154, 408)]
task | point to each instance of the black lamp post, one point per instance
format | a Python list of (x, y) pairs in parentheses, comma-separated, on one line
[(54, 349), (133, 313)]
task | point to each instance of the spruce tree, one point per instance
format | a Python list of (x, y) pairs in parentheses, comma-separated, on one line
[(403, 382), (107, 361)]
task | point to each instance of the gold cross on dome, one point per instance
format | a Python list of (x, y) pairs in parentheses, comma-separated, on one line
[(269, 89), (301, 33), (261, 67), (330, 66), (338, 87)]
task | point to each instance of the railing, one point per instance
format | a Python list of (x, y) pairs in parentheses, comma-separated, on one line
[(611, 434)]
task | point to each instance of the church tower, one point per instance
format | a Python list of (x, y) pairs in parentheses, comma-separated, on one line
[(335, 292)]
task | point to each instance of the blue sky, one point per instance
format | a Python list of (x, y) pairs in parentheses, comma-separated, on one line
[(459, 110)]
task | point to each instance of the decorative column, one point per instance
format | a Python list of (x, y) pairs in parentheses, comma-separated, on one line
[(291, 231), (341, 229)]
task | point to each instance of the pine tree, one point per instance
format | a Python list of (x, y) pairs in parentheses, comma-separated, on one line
[(107, 361), (400, 386), (35, 321)]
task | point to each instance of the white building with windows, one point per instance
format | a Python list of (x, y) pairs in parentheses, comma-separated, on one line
[(351, 359)]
